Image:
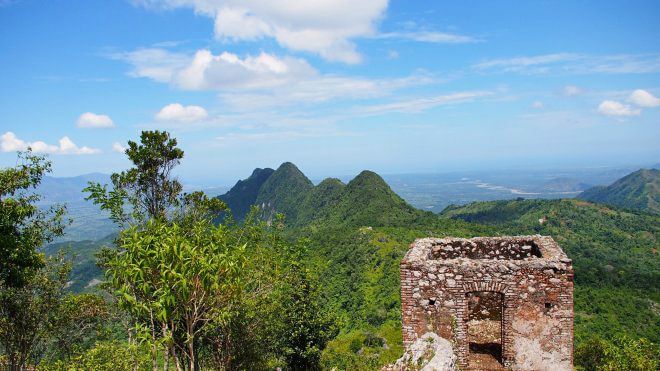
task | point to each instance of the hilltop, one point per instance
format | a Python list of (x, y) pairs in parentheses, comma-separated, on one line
[(365, 200), (639, 190), (244, 194)]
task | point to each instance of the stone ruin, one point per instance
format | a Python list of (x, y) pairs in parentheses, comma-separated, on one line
[(500, 301)]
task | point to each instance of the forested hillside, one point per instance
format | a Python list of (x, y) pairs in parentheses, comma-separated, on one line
[(357, 233), (636, 191)]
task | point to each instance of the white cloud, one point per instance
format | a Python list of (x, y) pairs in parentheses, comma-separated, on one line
[(573, 63), (154, 63), (92, 120), (537, 104), (118, 147), (572, 90), (614, 108), (421, 104), (10, 143), (323, 27), (179, 113), (428, 37), (205, 71), (262, 81), (643, 98)]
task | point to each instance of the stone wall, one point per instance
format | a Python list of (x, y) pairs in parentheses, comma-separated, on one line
[(533, 276)]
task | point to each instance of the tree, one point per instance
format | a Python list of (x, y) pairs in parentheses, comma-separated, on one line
[(23, 227), (148, 187), (79, 320), (168, 269), (304, 327), (176, 280), (28, 313)]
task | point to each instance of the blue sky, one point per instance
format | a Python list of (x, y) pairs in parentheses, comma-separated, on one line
[(333, 86)]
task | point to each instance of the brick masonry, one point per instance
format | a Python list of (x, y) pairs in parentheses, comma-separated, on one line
[(533, 274)]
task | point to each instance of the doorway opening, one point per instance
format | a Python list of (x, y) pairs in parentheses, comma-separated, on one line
[(485, 330)]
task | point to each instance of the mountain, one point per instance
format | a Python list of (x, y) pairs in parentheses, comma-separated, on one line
[(85, 274), (284, 191), (88, 222), (367, 200), (638, 191), (320, 199), (68, 189), (244, 193)]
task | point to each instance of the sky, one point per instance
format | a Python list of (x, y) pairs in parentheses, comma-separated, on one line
[(332, 86)]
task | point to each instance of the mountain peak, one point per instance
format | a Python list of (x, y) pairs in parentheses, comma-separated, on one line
[(639, 190)]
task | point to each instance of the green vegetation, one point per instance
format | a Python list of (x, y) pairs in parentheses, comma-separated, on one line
[(636, 191), (244, 194), (614, 255), (323, 293), (283, 192)]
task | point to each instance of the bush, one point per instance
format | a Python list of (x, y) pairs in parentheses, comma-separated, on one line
[(107, 356), (622, 353)]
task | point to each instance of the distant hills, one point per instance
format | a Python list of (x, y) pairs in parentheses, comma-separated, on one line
[(357, 232), (637, 191), (365, 200)]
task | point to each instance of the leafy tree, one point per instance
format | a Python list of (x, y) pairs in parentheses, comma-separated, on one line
[(304, 327), (79, 320), (23, 227), (28, 312), (177, 279), (148, 187)]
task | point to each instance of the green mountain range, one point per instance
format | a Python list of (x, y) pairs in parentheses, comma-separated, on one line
[(638, 191), (358, 232), (244, 194), (365, 200)]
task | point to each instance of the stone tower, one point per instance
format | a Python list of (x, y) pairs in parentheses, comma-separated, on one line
[(507, 298)]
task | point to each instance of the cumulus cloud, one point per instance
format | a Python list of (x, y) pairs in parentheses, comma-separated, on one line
[(179, 113), (204, 70), (617, 109), (325, 27), (92, 120), (118, 147), (572, 90), (537, 104), (10, 143), (643, 98), (265, 80)]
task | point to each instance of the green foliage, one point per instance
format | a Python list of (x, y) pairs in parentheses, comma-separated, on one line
[(147, 187), (614, 257), (173, 280), (23, 227), (244, 194), (304, 327), (622, 353), (78, 322), (283, 192), (636, 191), (85, 274), (29, 313), (106, 356)]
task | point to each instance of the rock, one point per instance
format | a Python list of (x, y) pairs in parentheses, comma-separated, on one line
[(429, 353)]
